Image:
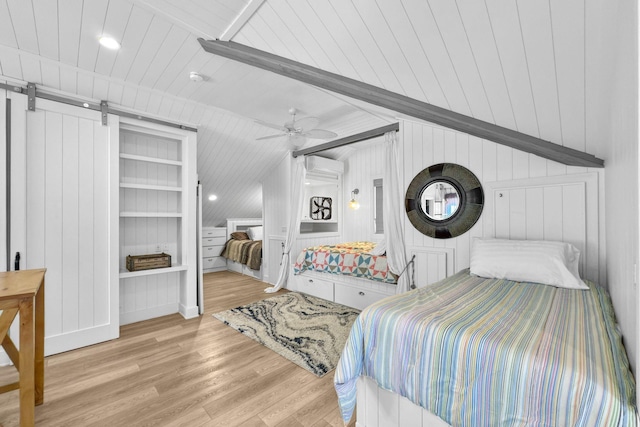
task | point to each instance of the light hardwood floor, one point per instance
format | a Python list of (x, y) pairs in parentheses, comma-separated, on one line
[(172, 372)]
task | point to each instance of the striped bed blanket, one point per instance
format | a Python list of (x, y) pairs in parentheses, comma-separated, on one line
[(352, 258), (490, 352), (247, 252)]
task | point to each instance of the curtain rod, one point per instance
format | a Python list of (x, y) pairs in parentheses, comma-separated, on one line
[(373, 133), (91, 105)]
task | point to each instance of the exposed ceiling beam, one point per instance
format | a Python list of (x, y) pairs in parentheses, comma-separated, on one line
[(363, 136), (399, 103)]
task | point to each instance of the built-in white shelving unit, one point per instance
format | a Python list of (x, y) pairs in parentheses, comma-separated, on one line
[(157, 214), (128, 274), (150, 187), (150, 159), (151, 214)]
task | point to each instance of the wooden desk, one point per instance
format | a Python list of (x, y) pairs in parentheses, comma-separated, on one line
[(20, 292)]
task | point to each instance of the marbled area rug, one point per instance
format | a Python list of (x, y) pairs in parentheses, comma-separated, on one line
[(309, 331)]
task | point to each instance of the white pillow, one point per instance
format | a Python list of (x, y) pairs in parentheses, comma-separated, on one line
[(549, 263), (255, 233), (380, 248)]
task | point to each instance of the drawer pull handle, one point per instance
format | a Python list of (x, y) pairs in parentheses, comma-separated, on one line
[(361, 293), (310, 280)]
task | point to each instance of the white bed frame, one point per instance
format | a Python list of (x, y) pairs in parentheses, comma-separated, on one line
[(242, 224), (380, 407), (504, 211), (347, 290), (431, 265)]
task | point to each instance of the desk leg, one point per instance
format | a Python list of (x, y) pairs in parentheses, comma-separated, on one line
[(27, 394), (39, 346)]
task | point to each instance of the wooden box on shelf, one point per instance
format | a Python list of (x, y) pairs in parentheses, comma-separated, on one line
[(147, 262)]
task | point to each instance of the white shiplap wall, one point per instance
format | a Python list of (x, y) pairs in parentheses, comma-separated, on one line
[(621, 156), (276, 199), (361, 168), (525, 181), (424, 145)]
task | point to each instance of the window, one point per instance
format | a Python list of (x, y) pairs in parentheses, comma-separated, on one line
[(378, 225)]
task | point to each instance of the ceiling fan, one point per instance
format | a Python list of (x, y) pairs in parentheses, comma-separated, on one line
[(298, 130)]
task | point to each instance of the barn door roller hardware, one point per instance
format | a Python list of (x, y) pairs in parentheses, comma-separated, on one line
[(32, 93), (31, 97), (104, 110)]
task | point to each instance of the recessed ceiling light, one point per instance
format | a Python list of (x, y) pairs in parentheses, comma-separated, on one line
[(109, 42), (213, 197)]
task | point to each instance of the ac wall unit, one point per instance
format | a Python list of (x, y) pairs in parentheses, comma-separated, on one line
[(324, 166)]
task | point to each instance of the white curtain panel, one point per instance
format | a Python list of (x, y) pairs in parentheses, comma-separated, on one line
[(298, 175), (392, 208)]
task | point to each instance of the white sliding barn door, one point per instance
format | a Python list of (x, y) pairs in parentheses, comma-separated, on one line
[(65, 216)]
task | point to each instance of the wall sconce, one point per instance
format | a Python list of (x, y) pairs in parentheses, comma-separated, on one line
[(353, 203)]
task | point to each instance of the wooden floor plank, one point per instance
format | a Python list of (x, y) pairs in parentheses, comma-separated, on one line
[(172, 372)]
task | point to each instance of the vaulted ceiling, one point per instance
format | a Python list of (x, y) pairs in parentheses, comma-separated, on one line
[(536, 67)]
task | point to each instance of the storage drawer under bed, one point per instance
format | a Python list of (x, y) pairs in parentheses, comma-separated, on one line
[(316, 287), (356, 297)]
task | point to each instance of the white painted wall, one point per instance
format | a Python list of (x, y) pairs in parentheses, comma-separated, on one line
[(423, 145), (276, 199), (620, 152), (361, 168)]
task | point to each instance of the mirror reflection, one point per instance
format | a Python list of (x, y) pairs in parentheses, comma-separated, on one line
[(439, 200)]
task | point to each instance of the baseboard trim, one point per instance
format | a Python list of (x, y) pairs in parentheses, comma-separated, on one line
[(189, 312)]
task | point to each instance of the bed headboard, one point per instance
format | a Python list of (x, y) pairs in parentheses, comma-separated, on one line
[(562, 208), (241, 224)]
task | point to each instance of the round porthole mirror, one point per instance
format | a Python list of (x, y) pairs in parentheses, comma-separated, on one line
[(444, 200), (440, 200)]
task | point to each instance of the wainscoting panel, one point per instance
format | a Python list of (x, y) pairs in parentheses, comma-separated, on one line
[(432, 264)]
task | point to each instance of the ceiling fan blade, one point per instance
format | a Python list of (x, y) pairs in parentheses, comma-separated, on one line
[(269, 137), (306, 123), (319, 134), (272, 126)]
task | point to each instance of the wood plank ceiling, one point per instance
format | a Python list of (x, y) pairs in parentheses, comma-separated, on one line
[(527, 66)]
